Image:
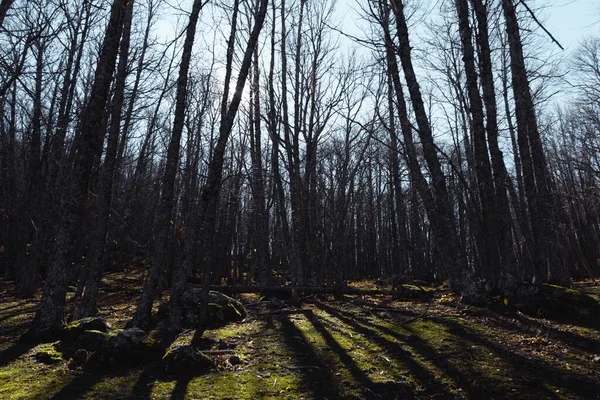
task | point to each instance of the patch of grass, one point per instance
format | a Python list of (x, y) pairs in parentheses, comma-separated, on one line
[(26, 378), (356, 348)]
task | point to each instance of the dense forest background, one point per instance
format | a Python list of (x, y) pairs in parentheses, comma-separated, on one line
[(253, 148)]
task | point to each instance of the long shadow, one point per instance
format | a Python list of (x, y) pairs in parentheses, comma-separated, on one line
[(83, 384), (14, 314), (469, 379), (394, 349), (586, 344), (180, 389), (539, 368), (15, 351), (142, 389), (319, 379), (20, 306), (369, 388)]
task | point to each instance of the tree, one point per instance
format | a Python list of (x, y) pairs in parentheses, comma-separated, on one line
[(164, 221), (50, 313)]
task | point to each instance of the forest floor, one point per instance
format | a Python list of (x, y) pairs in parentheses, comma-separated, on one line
[(355, 347)]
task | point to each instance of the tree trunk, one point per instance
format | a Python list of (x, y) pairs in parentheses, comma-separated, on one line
[(210, 192), (95, 259), (442, 218), (490, 258), (502, 221), (167, 199), (537, 183), (4, 6), (50, 313)]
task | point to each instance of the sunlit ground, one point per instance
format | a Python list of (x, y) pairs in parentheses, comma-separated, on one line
[(352, 348)]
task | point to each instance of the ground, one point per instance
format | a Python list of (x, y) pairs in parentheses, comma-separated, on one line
[(354, 347)]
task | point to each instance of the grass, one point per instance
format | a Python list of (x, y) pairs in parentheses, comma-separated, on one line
[(350, 348)]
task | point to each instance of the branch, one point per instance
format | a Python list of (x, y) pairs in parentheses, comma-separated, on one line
[(540, 24)]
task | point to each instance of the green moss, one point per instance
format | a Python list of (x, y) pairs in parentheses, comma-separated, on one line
[(48, 355), (24, 378)]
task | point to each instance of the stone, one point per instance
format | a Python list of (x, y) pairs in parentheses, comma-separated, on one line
[(126, 347), (48, 357), (91, 340), (222, 309), (234, 360), (74, 329), (554, 302)]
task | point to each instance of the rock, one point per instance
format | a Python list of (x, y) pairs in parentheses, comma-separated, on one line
[(185, 360), (222, 309), (91, 340), (597, 359), (48, 356), (554, 301), (409, 291), (79, 358), (76, 328), (126, 347)]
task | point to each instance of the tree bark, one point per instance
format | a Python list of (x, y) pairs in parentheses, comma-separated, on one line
[(167, 199), (210, 192), (50, 313), (547, 262), (95, 257), (461, 279)]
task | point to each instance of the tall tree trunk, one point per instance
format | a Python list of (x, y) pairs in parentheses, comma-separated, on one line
[(490, 258), (50, 313), (210, 192), (502, 222), (260, 241), (95, 256), (461, 279), (167, 199), (4, 6), (538, 188), (28, 274)]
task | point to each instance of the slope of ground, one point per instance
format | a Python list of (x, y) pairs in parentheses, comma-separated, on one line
[(350, 348)]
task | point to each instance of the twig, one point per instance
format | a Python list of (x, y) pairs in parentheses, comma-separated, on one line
[(540, 24), (218, 351), (296, 367), (420, 315)]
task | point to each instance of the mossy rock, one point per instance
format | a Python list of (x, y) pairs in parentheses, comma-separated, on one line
[(554, 301), (126, 347), (49, 356), (91, 340), (222, 309), (184, 360), (408, 291), (72, 330)]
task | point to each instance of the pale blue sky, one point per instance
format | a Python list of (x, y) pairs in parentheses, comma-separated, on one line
[(570, 21)]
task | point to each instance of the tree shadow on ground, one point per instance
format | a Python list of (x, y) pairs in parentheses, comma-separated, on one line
[(181, 387), (457, 360), (393, 349), (142, 389), (531, 376), (15, 351), (515, 322), (536, 369), (315, 373), (84, 383), (368, 387)]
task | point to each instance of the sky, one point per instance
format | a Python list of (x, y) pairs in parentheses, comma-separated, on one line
[(570, 21)]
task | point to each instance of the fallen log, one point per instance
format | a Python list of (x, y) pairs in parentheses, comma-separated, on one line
[(408, 291), (301, 289)]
